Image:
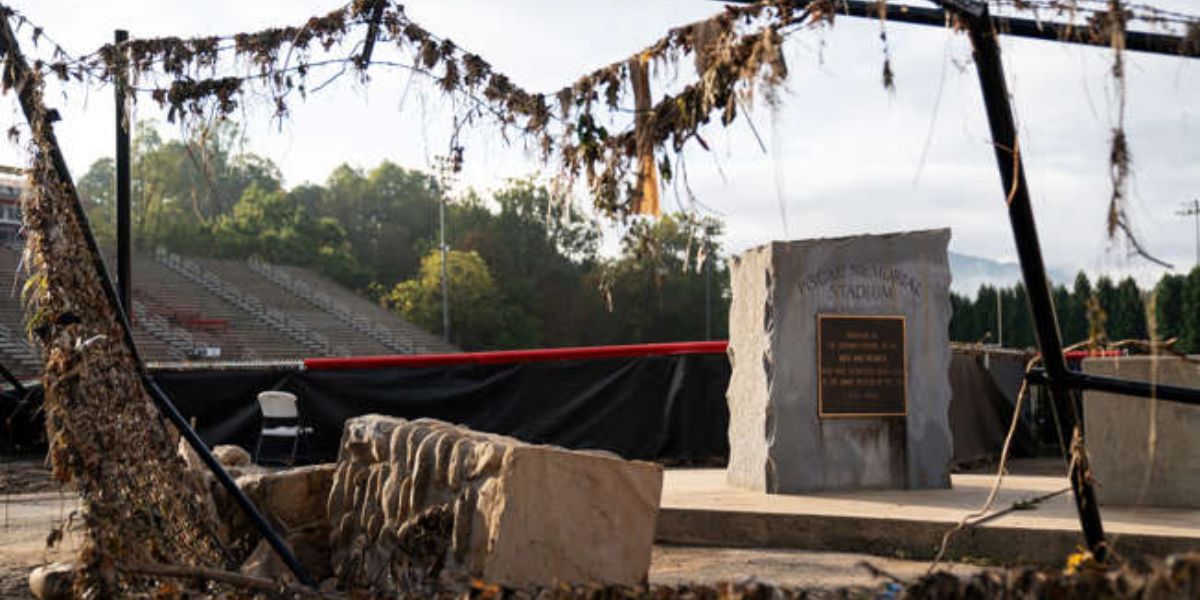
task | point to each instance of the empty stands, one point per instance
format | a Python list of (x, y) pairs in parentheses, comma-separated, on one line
[(210, 310)]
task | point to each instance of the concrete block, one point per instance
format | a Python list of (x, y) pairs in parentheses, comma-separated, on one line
[(232, 456), (779, 443), (1143, 453), (414, 501), (292, 499), (53, 581)]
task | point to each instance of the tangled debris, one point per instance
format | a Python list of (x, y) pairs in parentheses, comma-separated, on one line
[(1176, 577), (106, 436), (580, 129)]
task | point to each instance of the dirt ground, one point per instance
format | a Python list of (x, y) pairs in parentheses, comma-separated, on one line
[(673, 565), (32, 506)]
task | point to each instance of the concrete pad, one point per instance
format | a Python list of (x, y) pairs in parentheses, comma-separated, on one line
[(700, 508)]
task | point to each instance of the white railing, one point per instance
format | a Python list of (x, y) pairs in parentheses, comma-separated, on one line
[(321, 300), (179, 341), (274, 318), (19, 348)]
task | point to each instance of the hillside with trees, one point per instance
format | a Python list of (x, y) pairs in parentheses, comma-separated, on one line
[(524, 270), (1105, 310)]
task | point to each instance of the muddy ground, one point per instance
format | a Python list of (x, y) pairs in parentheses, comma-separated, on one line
[(32, 505)]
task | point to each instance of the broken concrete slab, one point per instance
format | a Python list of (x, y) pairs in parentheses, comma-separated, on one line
[(415, 501), (1143, 453), (292, 499)]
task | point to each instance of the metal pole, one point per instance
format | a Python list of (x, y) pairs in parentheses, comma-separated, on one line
[(1193, 211), (124, 181), (1154, 391), (999, 320), (707, 296), (18, 70), (1020, 213), (1038, 29), (445, 279)]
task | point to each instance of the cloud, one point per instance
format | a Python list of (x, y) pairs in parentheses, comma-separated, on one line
[(844, 155)]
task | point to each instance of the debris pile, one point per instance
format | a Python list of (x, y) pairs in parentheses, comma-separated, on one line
[(420, 504), (141, 504)]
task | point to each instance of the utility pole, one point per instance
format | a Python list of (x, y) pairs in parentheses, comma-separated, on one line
[(445, 279), (446, 167), (708, 295), (999, 320), (1193, 210)]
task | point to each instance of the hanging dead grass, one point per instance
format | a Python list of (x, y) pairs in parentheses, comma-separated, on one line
[(140, 503)]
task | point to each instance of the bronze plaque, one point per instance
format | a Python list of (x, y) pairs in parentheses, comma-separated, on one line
[(861, 362)]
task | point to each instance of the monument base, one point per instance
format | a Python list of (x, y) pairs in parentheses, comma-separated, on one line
[(840, 354)]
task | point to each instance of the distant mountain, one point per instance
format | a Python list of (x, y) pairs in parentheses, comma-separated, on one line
[(971, 272)]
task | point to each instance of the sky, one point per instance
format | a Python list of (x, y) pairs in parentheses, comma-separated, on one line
[(839, 155)]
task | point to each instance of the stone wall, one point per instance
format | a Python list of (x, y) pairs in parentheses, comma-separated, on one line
[(1143, 452), (778, 441), (420, 501)]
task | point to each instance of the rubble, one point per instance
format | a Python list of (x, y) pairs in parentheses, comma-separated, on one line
[(420, 502)]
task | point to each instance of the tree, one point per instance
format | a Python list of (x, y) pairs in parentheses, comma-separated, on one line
[(1128, 313), (983, 314), (97, 192), (389, 214), (1062, 309), (540, 250), (960, 319), (180, 188), (1105, 302), (476, 312), (275, 227), (1076, 326), (1168, 306), (657, 290), (1190, 331)]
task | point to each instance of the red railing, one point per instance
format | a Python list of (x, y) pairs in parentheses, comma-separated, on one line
[(515, 356), (549, 354)]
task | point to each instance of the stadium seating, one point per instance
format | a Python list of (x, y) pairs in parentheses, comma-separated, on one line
[(206, 310)]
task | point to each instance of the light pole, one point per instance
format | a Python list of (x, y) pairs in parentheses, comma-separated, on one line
[(1193, 210), (445, 279), (439, 185), (707, 296)]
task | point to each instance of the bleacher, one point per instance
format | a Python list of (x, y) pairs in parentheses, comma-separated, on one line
[(210, 310)]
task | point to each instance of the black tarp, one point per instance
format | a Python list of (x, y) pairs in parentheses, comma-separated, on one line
[(22, 426), (666, 408), (669, 408), (984, 388)]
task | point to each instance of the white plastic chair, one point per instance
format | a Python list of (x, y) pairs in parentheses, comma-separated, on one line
[(280, 420)]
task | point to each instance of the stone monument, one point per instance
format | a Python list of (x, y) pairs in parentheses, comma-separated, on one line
[(840, 352)]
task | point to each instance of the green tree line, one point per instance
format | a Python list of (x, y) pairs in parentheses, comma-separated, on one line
[(1105, 311), (524, 270)]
